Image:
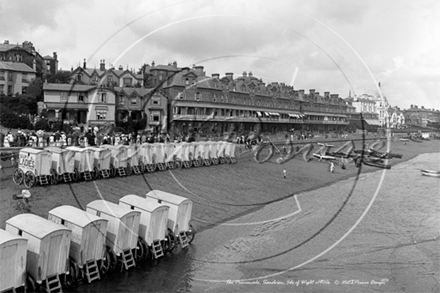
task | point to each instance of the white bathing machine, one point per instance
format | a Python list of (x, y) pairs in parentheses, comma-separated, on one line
[(153, 221), (63, 164), (34, 166), (101, 162), (159, 155), (118, 160), (13, 255), (179, 214), (47, 250), (195, 150), (122, 229), (146, 157), (84, 159), (87, 244), (133, 159)]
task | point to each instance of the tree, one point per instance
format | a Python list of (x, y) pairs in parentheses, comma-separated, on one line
[(35, 89), (59, 77)]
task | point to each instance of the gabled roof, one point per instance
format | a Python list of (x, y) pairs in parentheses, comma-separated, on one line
[(130, 90), (48, 57), (68, 87), (163, 67), (7, 47), (15, 66)]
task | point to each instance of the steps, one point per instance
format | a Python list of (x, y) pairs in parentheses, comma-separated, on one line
[(105, 174), (128, 259), (88, 175), (156, 247), (53, 284), (66, 177), (91, 271), (136, 170), (44, 179), (183, 239), (121, 171)]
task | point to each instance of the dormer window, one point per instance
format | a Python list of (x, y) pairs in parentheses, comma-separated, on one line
[(186, 81), (128, 81), (198, 96)]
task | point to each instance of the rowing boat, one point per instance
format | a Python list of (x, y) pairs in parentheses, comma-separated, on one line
[(432, 173)]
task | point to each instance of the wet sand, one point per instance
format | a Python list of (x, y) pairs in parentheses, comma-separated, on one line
[(390, 246), (226, 196)]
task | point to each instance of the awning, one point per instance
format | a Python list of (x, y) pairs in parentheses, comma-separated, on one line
[(275, 114), (372, 122), (265, 113), (259, 114), (101, 108)]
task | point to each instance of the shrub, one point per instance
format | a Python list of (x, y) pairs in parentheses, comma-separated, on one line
[(42, 124)]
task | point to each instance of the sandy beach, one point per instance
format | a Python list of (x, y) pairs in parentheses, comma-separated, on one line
[(255, 226)]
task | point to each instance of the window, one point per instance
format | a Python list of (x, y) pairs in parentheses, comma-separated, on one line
[(133, 100), (2, 75), (10, 76), (161, 76), (80, 98), (155, 116), (101, 114), (198, 96), (79, 77), (63, 96), (222, 99), (155, 101), (95, 79), (2, 88), (103, 98), (109, 78), (186, 81), (121, 99), (128, 81), (24, 90), (214, 99)]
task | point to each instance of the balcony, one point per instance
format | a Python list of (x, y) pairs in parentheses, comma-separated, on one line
[(234, 119)]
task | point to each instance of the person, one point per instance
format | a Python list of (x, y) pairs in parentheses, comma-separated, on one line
[(332, 167), (284, 173)]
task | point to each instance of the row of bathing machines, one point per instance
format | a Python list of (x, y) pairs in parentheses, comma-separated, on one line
[(53, 165), (72, 244)]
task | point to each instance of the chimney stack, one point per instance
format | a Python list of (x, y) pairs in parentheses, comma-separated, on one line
[(230, 75), (152, 64), (6, 42), (175, 64), (55, 56), (84, 64), (102, 65), (312, 92), (199, 70), (250, 74), (215, 75), (244, 74)]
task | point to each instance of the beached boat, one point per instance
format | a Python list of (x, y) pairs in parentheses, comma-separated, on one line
[(431, 173)]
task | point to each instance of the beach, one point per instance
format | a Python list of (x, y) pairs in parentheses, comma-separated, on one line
[(259, 232)]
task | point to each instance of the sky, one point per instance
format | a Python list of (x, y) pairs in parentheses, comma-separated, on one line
[(341, 46)]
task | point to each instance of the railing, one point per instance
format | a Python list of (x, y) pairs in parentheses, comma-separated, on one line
[(252, 119)]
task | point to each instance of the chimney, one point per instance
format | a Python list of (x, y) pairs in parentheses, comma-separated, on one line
[(152, 63), (244, 74), (55, 56), (84, 64), (175, 64), (250, 74), (230, 75), (120, 67), (327, 94), (6, 42), (301, 92), (215, 75), (199, 70), (34, 65), (312, 92), (102, 65)]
